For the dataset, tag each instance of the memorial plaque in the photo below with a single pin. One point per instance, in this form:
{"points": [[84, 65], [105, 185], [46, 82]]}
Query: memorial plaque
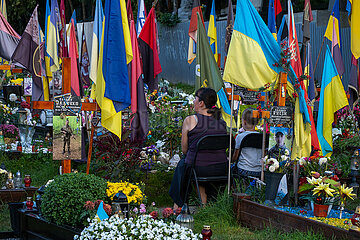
{"points": [[68, 105], [247, 96], [27, 86], [281, 115]]}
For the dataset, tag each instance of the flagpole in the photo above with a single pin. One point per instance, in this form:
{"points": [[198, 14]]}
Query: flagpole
{"points": [[230, 140], [263, 141], [322, 43]]}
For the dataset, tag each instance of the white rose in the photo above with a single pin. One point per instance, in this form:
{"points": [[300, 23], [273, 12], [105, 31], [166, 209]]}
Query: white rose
{"points": [[287, 153], [302, 161], [272, 160], [272, 168], [13, 97], [322, 161], [276, 165]]}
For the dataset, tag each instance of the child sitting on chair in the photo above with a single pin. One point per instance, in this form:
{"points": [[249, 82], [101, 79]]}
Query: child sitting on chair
{"points": [[249, 161]]}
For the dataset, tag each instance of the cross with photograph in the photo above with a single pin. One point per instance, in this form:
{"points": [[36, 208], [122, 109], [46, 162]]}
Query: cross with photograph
{"points": [[280, 141], [67, 128]]}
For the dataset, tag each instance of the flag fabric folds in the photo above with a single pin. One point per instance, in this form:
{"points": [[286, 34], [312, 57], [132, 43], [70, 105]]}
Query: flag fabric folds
{"points": [[229, 26], [336, 54], [101, 214], [309, 71], [334, 17], [74, 55], [118, 53], [353, 81], [63, 38], [84, 63], [271, 19], [332, 98], [113, 57], [208, 74], [253, 50], [96, 38], [281, 26], [295, 59], [27, 53], [307, 19], [53, 37], [149, 51], [139, 123], [193, 30], [8, 39], [141, 16], [3, 8], [353, 8], [212, 31]]}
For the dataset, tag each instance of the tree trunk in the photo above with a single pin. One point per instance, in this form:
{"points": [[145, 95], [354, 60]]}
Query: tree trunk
{"points": [[83, 10], [71, 7]]}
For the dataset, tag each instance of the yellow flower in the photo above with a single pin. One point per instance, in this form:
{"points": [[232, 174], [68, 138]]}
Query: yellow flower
{"points": [[323, 188], [346, 192], [314, 181], [132, 191]]}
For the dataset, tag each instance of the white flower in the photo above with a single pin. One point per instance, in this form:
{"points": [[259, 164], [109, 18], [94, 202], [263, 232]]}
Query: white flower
{"points": [[322, 161], [13, 97], [284, 157], [302, 161], [272, 168], [287, 152], [271, 160], [276, 165], [190, 98], [50, 181], [143, 154]]}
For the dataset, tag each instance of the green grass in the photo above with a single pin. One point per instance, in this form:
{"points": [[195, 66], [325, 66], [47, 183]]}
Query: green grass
{"points": [[219, 215], [4, 218]]}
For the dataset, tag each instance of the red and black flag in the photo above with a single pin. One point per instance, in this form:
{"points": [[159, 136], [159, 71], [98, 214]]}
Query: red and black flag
{"points": [[27, 53], [9, 39], [149, 51], [84, 63], [281, 26], [193, 30], [139, 123]]}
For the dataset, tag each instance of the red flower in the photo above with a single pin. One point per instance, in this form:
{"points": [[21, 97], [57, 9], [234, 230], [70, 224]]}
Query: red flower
{"points": [[89, 205], [167, 212], [107, 209], [335, 178], [154, 214], [283, 60], [295, 95]]}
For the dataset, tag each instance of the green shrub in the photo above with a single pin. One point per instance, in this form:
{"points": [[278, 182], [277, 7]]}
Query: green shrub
{"points": [[64, 198]]}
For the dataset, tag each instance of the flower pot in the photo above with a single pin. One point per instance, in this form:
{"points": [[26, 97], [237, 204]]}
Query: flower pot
{"points": [[272, 181], [320, 210]]}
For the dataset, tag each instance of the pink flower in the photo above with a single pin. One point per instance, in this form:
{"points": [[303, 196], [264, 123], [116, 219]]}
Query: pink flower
{"points": [[107, 209], [167, 212], [89, 205], [135, 210]]}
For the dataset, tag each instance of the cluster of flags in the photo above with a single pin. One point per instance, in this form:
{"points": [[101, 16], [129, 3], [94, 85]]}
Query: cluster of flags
{"points": [[253, 52], [124, 55]]}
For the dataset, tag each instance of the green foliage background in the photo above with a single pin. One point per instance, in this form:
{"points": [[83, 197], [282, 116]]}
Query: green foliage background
{"points": [[58, 123]]}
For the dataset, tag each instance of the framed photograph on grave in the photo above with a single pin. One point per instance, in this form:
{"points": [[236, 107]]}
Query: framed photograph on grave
{"points": [[27, 86], [67, 128], [279, 141]]}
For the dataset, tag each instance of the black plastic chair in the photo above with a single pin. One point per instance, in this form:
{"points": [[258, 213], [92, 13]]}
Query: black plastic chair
{"points": [[252, 140], [208, 142]]}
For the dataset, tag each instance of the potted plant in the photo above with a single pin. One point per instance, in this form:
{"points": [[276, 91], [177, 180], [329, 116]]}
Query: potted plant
{"points": [[10, 132]]}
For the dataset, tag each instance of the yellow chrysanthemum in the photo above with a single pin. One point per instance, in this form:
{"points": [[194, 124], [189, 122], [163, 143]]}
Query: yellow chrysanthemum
{"points": [[132, 191], [346, 192], [323, 188]]}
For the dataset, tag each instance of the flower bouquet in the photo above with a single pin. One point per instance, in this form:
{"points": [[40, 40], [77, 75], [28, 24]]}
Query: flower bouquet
{"points": [[134, 192], [10, 132], [314, 164], [3, 177], [278, 165], [142, 227]]}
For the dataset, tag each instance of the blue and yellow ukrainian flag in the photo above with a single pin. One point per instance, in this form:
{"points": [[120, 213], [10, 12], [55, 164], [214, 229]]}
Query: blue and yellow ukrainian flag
{"points": [[52, 37], [271, 19], [334, 19], [212, 31], [3, 8], [101, 214], [353, 8], [95, 48], [112, 83], [332, 98], [253, 50]]}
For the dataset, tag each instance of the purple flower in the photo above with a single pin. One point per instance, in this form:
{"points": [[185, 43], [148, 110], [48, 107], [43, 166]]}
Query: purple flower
{"points": [[135, 210], [142, 210], [153, 203]]}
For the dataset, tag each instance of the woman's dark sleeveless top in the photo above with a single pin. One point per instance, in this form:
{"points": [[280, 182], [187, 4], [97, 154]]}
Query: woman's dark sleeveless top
{"points": [[206, 125]]}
